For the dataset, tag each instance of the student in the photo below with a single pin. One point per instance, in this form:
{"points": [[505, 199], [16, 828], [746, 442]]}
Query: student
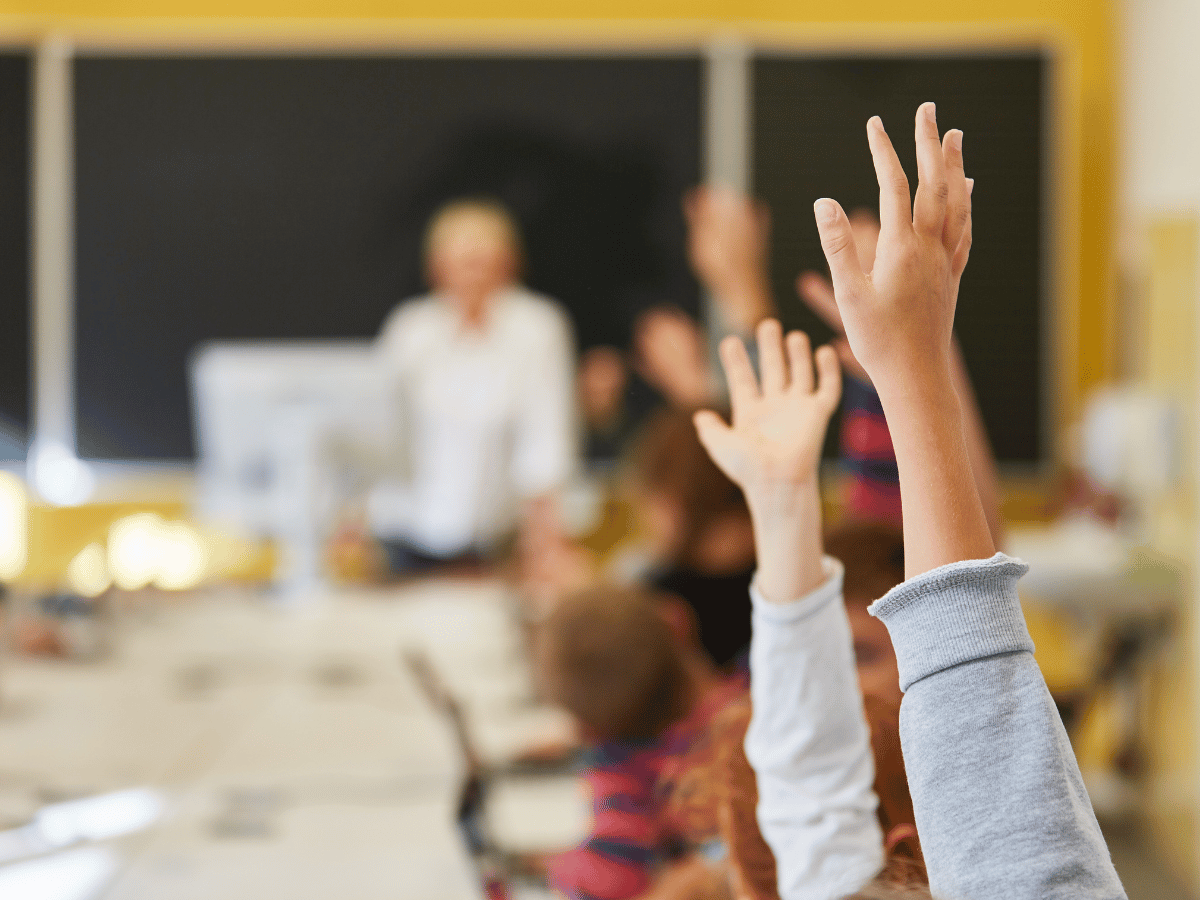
{"points": [[808, 739], [626, 664], [999, 801], [485, 372]]}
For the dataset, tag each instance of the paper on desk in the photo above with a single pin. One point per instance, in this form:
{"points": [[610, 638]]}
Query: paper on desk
{"points": [[538, 814]]}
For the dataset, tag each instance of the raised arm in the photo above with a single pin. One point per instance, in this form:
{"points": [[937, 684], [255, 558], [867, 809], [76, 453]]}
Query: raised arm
{"points": [[865, 443], [1000, 805], [728, 245], [899, 321], [808, 740]]}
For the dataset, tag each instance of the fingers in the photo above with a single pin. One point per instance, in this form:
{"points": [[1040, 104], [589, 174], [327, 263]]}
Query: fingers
{"points": [[829, 378], [963, 250], [743, 386], [929, 209], [771, 364], [800, 357], [837, 240], [816, 291], [718, 439], [895, 205], [958, 199]]}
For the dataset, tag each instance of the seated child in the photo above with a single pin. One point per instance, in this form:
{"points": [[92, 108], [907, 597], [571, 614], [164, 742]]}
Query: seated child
{"points": [[699, 531], [996, 790], [626, 664]]}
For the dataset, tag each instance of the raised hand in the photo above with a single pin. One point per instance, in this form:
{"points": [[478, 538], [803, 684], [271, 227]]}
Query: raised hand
{"points": [[817, 291], [671, 355], [899, 320], [773, 449], [779, 424], [899, 317], [728, 241]]}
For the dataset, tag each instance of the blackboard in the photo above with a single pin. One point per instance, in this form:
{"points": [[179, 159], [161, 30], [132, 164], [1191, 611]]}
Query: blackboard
{"points": [[283, 197], [14, 254], [273, 197], [809, 137]]}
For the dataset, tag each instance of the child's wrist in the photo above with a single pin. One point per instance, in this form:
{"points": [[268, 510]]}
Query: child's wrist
{"points": [[917, 389], [781, 498]]}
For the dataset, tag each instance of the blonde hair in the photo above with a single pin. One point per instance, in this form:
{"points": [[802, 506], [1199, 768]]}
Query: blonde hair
{"points": [[495, 212]]}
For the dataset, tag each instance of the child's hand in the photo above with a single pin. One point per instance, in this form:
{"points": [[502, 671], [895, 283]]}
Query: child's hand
{"points": [[778, 427], [899, 317], [817, 291], [671, 355], [773, 450]]}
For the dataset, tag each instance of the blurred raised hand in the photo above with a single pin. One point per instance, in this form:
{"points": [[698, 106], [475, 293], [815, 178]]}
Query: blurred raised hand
{"points": [[728, 246], [671, 354]]}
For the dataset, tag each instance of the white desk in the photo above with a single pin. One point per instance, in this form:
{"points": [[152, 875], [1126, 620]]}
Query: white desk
{"points": [[299, 756]]}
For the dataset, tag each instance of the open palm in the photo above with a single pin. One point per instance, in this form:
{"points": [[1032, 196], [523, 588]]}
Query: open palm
{"points": [[779, 423]]}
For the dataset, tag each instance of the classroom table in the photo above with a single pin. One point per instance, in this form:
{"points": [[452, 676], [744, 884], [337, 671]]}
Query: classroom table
{"points": [[297, 755]]}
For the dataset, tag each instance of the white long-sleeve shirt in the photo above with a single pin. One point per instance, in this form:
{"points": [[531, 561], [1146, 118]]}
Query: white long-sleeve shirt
{"points": [[810, 746], [488, 414]]}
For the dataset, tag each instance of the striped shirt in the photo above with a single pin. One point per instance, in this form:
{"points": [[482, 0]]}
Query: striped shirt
{"points": [[631, 837], [873, 491]]}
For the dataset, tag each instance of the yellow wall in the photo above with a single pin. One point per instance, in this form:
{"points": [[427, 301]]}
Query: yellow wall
{"points": [[1082, 31]]}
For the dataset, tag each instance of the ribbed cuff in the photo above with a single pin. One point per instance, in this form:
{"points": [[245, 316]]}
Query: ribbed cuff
{"points": [[955, 614], [805, 606]]}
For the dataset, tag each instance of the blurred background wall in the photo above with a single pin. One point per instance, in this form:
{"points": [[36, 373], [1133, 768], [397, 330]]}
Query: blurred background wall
{"points": [[1157, 235]]}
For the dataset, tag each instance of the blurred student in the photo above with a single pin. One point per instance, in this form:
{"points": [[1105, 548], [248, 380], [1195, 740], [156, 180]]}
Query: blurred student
{"points": [[699, 533], [485, 372], [997, 793], [625, 663]]}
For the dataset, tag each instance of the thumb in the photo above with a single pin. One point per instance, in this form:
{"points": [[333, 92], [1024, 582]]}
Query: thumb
{"points": [[837, 240], [718, 439]]}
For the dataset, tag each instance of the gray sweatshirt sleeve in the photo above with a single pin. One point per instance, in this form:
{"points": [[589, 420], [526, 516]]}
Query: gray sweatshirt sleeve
{"points": [[1000, 805]]}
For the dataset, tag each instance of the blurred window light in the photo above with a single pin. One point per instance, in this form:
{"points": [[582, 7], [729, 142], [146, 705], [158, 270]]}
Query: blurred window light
{"points": [[133, 545], [14, 526], [77, 875], [182, 559], [87, 573], [59, 477], [146, 549]]}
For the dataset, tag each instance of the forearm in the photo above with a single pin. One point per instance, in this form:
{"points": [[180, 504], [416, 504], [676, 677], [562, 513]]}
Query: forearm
{"points": [[745, 302], [944, 520], [787, 539]]}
